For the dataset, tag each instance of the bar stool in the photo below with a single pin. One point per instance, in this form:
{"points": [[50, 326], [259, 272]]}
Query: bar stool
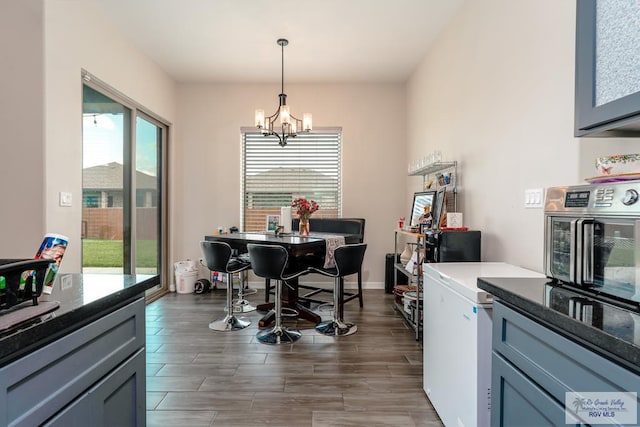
{"points": [[218, 258], [348, 260], [242, 305], [269, 262]]}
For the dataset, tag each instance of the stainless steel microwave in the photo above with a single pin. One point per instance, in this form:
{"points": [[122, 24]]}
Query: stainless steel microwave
{"points": [[592, 238]]}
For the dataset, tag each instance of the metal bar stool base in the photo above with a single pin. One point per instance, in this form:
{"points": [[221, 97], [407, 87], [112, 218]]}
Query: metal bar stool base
{"points": [[228, 323], [336, 329], [278, 335]]}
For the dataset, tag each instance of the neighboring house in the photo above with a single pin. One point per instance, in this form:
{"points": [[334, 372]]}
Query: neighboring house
{"points": [[102, 203], [265, 189], [265, 193], [102, 187]]}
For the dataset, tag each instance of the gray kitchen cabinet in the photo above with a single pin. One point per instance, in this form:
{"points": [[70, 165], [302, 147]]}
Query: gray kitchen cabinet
{"points": [[607, 85], [520, 401], [111, 402], [94, 375], [533, 367]]}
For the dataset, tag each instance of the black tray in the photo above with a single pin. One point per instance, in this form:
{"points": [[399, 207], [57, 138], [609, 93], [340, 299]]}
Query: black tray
{"points": [[11, 270]]}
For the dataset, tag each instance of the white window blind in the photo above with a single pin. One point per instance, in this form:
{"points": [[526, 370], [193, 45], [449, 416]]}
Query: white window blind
{"points": [[272, 176]]}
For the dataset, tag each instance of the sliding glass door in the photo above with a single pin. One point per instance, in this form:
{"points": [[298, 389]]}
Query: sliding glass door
{"points": [[106, 127], [147, 232], [123, 210]]}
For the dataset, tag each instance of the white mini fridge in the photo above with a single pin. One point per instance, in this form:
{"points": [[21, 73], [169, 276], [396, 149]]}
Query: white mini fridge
{"points": [[457, 339]]}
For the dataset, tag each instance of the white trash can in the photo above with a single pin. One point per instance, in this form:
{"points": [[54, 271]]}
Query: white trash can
{"points": [[186, 273]]}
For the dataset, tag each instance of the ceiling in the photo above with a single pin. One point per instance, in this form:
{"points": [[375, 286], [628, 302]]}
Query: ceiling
{"points": [[330, 41]]}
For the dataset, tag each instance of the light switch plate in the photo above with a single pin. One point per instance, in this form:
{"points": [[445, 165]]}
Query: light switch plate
{"points": [[66, 198], [534, 198]]}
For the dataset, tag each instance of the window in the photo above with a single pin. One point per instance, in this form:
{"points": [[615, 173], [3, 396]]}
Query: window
{"points": [[91, 200], [272, 176]]}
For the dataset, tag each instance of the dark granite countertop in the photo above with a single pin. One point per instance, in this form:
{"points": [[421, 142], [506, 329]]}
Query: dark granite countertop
{"points": [[83, 298], [611, 330]]}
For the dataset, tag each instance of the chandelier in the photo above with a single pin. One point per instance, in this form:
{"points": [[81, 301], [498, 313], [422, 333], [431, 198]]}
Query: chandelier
{"points": [[289, 125]]}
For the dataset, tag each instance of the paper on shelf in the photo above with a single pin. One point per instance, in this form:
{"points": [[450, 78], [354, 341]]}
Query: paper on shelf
{"points": [[285, 219], [412, 263]]}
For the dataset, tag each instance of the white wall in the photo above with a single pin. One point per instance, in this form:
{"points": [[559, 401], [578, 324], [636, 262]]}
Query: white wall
{"points": [[496, 93], [22, 128], [77, 37], [208, 182]]}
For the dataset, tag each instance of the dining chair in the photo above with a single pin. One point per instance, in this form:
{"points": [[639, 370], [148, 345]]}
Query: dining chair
{"points": [[270, 262], [218, 257], [348, 260], [352, 226]]}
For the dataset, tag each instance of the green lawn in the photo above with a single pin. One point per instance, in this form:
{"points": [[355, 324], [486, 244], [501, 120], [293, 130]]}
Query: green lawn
{"points": [[108, 253]]}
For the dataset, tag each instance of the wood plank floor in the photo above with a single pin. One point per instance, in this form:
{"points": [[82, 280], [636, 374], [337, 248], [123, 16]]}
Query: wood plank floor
{"points": [[200, 377]]}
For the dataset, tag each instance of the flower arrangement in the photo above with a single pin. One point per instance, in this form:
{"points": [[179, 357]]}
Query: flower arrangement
{"points": [[304, 208]]}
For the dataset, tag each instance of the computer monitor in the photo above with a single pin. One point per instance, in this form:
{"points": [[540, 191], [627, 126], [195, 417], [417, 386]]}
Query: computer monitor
{"points": [[420, 200]]}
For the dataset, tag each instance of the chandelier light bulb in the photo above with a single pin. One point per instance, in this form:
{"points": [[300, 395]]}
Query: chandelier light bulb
{"points": [[307, 122], [260, 119], [285, 117]]}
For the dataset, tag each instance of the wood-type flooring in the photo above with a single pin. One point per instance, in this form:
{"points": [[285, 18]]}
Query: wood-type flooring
{"points": [[200, 377]]}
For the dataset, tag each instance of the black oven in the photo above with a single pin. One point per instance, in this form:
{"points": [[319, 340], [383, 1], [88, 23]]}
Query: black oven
{"points": [[592, 238]]}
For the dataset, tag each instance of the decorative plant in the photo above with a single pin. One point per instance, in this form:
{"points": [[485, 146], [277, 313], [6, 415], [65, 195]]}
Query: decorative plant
{"points": [[304, 208]]}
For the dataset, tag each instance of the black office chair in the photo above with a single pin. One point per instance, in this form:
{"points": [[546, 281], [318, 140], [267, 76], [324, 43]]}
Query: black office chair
{"points": [[348, 261], [218, 257], [270, 262]]}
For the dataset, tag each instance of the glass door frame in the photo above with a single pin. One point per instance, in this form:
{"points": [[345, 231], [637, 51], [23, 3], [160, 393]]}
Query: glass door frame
{"points": [[137, 110]]}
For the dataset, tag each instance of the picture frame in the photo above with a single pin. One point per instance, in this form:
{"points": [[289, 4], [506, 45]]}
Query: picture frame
{"points": [[273, 221], [439, 210]]}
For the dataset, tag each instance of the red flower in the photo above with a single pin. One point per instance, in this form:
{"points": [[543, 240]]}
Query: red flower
{"points": [[304, 208]]}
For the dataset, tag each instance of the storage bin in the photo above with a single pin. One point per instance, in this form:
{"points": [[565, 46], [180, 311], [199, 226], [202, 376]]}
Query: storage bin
{"points": [[186, 273]]}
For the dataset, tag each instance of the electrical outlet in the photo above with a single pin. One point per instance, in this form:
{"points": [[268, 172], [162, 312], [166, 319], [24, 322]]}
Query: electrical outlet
{"points": [[534, 198], [65, 281]]}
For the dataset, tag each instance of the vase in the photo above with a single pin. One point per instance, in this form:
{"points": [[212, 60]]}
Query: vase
{"points": [[304, 227], [405, 256]]}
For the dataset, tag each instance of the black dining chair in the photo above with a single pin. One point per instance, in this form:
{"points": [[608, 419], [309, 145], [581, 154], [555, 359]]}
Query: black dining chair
{"points": [[218, 257], [348, 260], [270, 262], [352, 226]]}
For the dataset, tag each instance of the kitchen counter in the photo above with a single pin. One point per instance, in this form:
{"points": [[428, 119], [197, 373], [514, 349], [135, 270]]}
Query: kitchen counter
{"points": [[611, 331], [83, 299]]}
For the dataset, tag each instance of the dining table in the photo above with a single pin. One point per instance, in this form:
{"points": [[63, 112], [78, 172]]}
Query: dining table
{"points": [[314, 250]]}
